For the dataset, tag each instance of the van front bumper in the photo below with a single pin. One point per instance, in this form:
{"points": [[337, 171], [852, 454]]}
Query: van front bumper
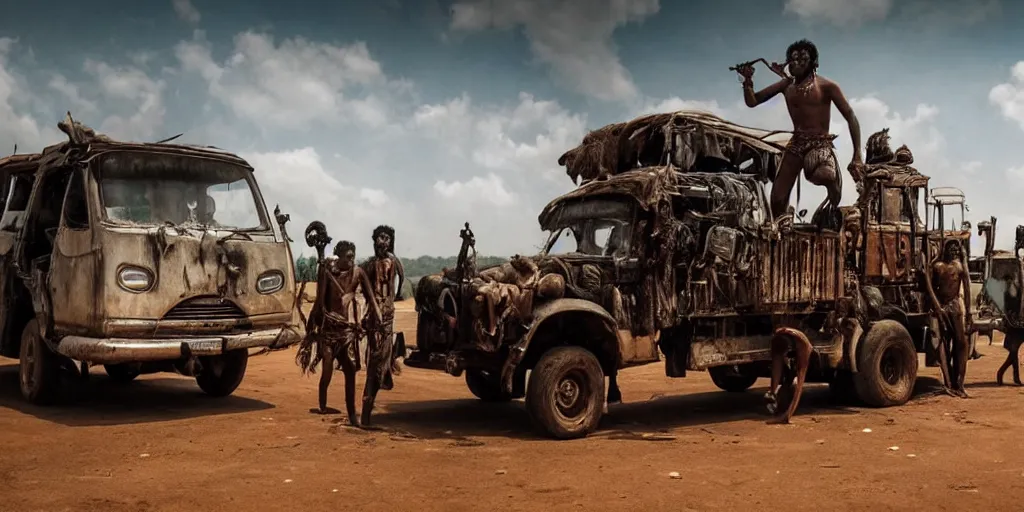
{"points": [[130, 350]]}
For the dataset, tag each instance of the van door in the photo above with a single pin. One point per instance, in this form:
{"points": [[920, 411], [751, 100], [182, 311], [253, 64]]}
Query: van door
{"points": [[73, 267], [12, 219]]}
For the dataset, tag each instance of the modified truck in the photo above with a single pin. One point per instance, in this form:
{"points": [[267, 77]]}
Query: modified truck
{"points": [[139, 257], [683, 262]]}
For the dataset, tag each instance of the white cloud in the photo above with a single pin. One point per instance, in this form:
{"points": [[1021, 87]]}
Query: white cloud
{"points": [[374, 197], [132, 87], [1015, 175], [17, 126], [489, 190], [293, 83], [70, 91], [572, 37], [186, 11], [527, 138], [841, 13], [299, 182], [1009, 96]]}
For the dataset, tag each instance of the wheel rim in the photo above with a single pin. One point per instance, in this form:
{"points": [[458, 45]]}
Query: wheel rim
{"points": [[571, 395], [891, 366], [28, 366]]}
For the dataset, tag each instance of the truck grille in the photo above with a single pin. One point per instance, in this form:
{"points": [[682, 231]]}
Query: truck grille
{"points": [[205, 308]]}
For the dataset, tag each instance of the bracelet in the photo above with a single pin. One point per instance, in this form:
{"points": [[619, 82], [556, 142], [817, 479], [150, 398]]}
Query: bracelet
{"points": [[748, 84]]}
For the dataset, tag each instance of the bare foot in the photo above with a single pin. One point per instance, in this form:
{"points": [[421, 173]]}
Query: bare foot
{"points": [[778, 420], [353, 420], [324, 410], [962, 393]]}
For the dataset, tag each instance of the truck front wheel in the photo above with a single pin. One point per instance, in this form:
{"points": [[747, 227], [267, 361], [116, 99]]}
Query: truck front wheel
{"points": [[486, 386], [38, 367], [732, 378], [221, 375], [886, 365], [565, 397]]}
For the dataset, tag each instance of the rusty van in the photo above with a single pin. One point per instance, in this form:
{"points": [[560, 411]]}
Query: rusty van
{"points": [[140, 257]]}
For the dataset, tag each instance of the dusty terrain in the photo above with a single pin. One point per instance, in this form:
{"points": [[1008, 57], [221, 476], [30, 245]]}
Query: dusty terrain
{"points": [[160, 444]]}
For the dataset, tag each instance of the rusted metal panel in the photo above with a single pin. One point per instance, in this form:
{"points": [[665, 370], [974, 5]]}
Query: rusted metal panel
{"points": [[800, 268]]}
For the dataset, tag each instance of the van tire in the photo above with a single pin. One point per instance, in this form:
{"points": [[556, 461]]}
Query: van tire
{"points": [[486, 386], [886, 365], [220, 375], [565, 397], [38, 367], [123, 372]]}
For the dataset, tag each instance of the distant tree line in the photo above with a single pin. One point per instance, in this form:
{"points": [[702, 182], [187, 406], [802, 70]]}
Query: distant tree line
{"points": [[415, 268]]}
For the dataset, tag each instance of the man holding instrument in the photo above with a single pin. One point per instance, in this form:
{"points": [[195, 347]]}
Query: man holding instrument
{"points": [[809, 98]]}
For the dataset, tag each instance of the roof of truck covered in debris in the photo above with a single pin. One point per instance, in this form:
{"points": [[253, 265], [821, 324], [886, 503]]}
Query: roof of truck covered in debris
{"points": [[773, 141]]}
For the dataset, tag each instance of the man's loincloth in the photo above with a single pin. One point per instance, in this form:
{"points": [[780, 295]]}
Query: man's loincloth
{"points": [[336, 334], [816, 151]]}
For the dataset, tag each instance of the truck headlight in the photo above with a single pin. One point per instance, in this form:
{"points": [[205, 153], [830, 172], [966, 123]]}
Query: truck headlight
{"points": [[270, 282], [134, 279]]}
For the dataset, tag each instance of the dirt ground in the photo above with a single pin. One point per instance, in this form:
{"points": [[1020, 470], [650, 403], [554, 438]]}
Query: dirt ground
{"points": [[160, 444]]}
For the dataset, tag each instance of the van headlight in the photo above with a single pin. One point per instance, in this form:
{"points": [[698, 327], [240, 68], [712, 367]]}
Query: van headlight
{"points": [[270, 282], [134, 279]]}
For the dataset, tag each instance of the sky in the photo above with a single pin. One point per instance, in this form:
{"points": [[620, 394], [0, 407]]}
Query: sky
{"points": [[426, 114]]}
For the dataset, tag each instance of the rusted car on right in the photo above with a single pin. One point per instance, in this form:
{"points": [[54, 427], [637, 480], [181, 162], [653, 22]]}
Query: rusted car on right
{"points": [[682, 261]]}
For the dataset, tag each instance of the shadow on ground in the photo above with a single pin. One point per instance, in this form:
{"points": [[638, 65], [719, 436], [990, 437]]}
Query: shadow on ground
{"points": [[461, 419], [101, 401]]}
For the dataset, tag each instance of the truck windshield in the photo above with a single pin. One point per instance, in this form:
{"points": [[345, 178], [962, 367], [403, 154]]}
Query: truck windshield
{"points": [[593, 227], [160, 190]]}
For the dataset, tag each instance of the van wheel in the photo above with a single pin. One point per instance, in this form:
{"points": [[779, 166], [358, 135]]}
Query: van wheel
{"points": [[221, 375], [565, 397], [486, 386], [38, 367], [124, 372], [886, 365], [732, 378]]}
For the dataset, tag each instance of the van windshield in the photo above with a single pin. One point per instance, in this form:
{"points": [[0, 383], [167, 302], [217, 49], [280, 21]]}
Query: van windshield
{"points": [[143, 189]]}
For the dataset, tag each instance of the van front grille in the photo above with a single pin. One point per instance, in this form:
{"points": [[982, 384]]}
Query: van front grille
{"points": [[205, 308]]}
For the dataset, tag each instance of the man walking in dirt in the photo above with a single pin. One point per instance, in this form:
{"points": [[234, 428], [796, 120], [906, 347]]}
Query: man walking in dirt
{"points": [[945, 280], [382, 269], [809, 98], [333, 327]]}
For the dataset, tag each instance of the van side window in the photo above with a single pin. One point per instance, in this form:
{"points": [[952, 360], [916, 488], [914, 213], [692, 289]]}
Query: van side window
{"points": [[17, 201], [76, 208]]}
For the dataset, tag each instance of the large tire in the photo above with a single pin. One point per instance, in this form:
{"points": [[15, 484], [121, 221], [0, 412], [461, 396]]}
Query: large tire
{"points": [[220, 375], [122, 373], [565, 398], [886, 365], [38, 367], [486, 386], [733, 379]]}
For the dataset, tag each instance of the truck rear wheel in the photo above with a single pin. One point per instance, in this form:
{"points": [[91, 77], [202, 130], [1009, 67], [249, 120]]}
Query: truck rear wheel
{"points": [[732, 378], [886, 365], [486, 386], [123, 372], [38, 367], [565, 397], [220, 375]]}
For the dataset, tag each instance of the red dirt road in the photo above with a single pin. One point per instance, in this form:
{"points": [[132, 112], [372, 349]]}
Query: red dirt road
{"points": [[160, 444]]}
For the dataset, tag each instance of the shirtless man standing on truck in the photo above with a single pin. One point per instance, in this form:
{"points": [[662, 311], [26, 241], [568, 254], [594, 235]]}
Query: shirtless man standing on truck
{"points": [[809, 98]]}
